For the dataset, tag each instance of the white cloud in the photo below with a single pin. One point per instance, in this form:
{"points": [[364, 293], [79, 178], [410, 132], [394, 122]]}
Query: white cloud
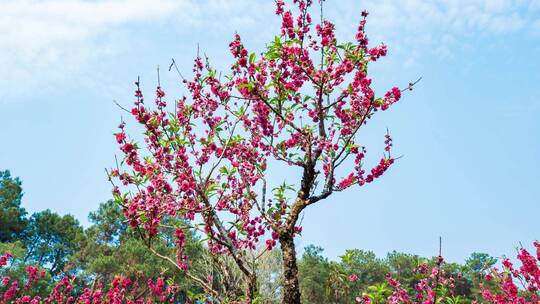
{"points": [[31, 26], [50, 39], [440, 27], [60, 36], [458, 16]]}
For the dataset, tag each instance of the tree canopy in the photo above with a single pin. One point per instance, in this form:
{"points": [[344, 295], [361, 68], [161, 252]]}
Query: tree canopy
{"points": [[12, 215]]}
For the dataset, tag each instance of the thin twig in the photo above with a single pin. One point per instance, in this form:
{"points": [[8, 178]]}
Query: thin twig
{"points": [[187, 273], [176, 68], [118, 105], [439, 262], [411, 85], [158, 79]]}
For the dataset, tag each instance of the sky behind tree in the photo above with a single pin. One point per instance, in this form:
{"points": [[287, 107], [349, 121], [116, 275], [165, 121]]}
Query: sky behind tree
{"points": [[468, 133]]}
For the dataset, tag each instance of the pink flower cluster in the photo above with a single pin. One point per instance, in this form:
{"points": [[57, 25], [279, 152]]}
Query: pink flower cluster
{"points": [[121, 291], [510, 286], [434, 283], [515, 285]]}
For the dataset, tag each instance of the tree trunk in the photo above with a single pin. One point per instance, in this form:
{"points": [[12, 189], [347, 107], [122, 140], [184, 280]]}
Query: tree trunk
{"points": [[251, 291], [291, 288]]}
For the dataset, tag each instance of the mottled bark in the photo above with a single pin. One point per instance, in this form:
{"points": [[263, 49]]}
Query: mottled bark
{"points": [[251, 291], [291, 286]]}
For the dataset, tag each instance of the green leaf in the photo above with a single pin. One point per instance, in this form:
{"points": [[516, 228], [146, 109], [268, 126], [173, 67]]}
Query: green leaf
{"points": [[143, 217], [224, 170]]}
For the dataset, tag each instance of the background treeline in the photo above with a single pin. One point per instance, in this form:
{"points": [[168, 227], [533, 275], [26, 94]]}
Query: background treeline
{"points": [[60, 246]]}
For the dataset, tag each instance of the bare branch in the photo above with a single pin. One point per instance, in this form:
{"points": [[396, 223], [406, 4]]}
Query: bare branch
{"points": [[118, 105]]}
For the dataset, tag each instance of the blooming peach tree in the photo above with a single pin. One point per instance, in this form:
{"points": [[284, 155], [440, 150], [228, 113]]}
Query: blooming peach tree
{"points": [[206, 159]]}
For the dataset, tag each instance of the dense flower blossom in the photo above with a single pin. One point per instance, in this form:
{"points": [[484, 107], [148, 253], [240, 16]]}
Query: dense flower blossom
{"points": [[121, 291], [300, 103], [515, 285], [231, 138]]}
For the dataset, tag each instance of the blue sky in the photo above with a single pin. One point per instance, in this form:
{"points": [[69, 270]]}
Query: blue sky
{"points": [[469, 131]]}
